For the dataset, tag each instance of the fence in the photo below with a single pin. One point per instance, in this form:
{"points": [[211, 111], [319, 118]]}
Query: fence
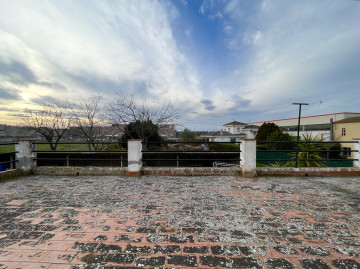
{"points": [[314, 153], [7, 156], [135, 154], [191, 154], [81, 154]]}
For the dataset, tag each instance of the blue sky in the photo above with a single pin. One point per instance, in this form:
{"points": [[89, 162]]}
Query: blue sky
{"points": [[217, 60]]}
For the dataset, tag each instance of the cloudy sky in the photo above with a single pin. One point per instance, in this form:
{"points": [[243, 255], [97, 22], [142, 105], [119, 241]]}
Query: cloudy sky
{"points": [[217, 60]]}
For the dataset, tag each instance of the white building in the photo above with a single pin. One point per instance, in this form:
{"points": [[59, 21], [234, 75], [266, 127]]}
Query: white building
{"points": [[318, 125], [234, 132]]}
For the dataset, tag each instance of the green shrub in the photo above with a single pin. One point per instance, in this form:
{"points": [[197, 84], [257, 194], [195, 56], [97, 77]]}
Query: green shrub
{"points": [[114, 147]]}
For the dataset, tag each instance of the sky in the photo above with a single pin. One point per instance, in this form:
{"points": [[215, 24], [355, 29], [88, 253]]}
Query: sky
{"points": [[218, 61]]}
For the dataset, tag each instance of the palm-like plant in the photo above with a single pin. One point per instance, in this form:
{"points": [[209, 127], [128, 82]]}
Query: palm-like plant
{"points": [[312, 158]]}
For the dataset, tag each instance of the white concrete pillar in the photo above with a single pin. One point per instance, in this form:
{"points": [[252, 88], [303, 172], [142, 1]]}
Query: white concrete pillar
{"points": [[248, 157], [134, 157], [357, 154], [25, 154]]}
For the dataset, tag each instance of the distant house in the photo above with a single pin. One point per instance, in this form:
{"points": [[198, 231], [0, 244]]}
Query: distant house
{"points": [[167, 131], [9, 133], [347, 130], [317, 125], [234, 132], [245, 131]]}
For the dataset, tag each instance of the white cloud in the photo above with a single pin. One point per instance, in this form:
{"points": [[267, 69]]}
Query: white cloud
{"points": [[228, 28], [207, 5], [234, 9], [297, 50], [251, 38], [277, 52], [81, 46]]}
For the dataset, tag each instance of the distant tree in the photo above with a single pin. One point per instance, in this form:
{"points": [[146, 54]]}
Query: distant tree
{"points": [[51, 121], [279, 135], [265, 130], [147, 131], [188, 135], [126, 109], [88, 122], [334, 152]]}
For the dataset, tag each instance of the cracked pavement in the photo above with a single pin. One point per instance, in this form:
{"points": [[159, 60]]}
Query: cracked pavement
{"points": [[179, 222]]}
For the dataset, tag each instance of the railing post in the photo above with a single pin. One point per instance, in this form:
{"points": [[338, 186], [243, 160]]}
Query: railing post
{"points": [[134, 157], [248, 157], [25, 154], [357, 154], [12, 161]]}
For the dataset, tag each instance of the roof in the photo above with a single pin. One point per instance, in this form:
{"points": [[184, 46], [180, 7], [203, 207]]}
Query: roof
{"points": [[235, 123], [220, 133], [250, 126], [314, 116], [349, 120]]}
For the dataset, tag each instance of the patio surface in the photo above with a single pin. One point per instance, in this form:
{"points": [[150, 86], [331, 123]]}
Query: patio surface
{"points": [[179, 222]]}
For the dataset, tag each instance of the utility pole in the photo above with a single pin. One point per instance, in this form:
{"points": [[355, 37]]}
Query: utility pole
{"points": [[298, 131]]}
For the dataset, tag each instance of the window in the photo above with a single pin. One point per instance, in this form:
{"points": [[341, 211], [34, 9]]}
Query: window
{"points": [[229, 129], [343, 131], [347, 151], [238, 129]]}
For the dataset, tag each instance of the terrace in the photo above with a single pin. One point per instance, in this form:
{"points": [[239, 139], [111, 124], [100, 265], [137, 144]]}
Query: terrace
{"points": [[82, 218], [179, 222]]}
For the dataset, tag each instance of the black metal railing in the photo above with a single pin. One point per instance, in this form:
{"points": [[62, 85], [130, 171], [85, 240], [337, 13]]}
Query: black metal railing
{"points": [[191, 154], [7, 156], [325, 155], [113, 154]]}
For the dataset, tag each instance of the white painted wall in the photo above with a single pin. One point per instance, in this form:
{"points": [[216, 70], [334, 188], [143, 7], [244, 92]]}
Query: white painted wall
{"points": [[248, 156], [134, 155], [310, 120], [25, 154]]}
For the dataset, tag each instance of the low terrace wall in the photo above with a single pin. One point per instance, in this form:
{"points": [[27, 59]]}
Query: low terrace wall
{"points": [[194, 171], [185, 171], [309, 171], [8, 174], [79, 171]]}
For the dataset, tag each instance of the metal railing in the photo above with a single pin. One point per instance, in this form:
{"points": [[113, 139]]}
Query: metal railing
{"points": [[293, 155], [82, 154], [190, 154], [7, 156]]}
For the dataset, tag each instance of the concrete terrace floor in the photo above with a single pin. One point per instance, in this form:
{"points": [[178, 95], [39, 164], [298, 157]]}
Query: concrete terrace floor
{"points": [[179, 222]]}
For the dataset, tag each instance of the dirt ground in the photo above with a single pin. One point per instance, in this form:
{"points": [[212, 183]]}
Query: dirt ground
{"points": [[179, 222]]}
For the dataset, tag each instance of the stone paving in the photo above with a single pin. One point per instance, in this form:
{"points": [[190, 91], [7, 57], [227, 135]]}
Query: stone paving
{"points": [[179, 222]]}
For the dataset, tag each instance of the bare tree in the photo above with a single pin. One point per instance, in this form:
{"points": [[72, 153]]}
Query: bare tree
{"points": [[88, 121], [125, 109], [52, 121]]}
